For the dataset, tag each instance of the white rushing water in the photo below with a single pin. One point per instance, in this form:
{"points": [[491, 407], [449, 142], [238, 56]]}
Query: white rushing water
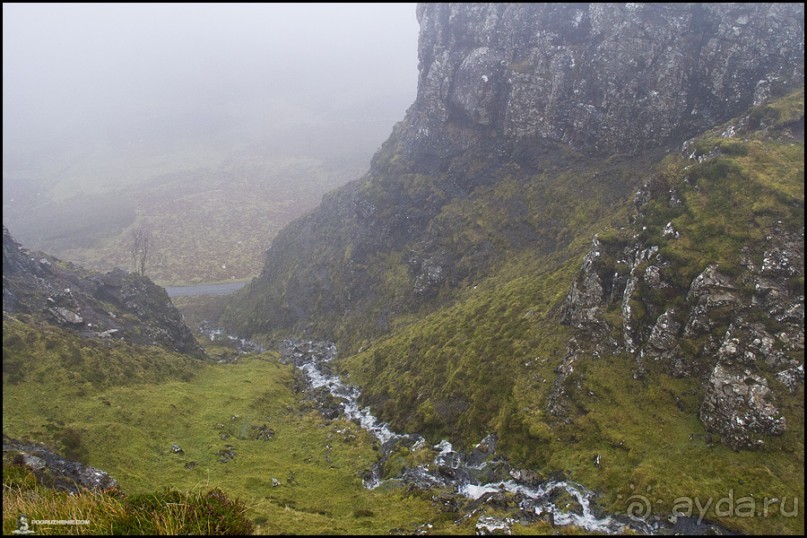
{"points": [[313, 358], [540, 504]]}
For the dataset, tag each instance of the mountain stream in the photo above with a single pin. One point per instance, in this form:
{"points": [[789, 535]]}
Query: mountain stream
{"points": [[480, 474]]}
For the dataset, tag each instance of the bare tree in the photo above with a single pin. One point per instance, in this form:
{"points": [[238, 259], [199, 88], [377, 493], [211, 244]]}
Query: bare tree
{"points": [[141, 241]]}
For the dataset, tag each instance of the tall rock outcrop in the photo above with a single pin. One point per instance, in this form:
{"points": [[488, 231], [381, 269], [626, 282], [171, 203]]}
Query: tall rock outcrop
{"points": [[610, 78]]}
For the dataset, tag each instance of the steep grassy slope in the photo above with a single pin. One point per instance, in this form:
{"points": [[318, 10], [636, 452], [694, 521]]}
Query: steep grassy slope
{"points": [[407, 242], [488, 362]]}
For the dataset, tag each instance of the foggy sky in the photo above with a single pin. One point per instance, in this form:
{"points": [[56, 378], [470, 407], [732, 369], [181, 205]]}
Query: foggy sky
{"points": [[82, 71]]}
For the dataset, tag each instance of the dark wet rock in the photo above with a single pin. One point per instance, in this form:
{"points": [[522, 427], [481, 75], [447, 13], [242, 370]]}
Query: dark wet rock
{"points": [[429, 275], [299, 352], [112, 305], [585, 301], [497, 470], [714, 299], [633, 331], [226, 454], [712, 287], [63, 316], [746, 344], [421, 478], [483, 450], [558, 403], [737, 407], [527, 477], [33, 462], [220, 337], [792, 377], [318, 398], [782, 262], [449, 464], [663, 341], [262, 433], [54, 471]]}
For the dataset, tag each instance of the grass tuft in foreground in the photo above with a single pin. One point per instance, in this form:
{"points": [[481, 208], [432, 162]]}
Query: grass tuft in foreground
{"points": [[55, 512]]}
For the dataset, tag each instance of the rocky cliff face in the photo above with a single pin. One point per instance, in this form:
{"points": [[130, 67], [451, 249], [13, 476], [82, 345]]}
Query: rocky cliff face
{"points": [[112, 305], [610, 78], [736, 326], [730, 332]]}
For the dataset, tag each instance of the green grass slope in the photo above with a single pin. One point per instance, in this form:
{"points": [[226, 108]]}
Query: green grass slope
{"points": [[486, 363], [239, 427]]}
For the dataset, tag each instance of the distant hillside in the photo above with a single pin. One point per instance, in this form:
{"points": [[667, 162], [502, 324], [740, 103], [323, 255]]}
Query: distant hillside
{"points": [[213, 193]]}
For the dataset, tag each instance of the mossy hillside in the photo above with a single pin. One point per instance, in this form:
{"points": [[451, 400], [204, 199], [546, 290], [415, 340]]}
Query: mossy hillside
{"points": [[651, 443], [350, 281], [458, 371], [128, 430], [734, 207], [486, 363], [450, 373], [44, 353], [446, 377], [465, 380]]}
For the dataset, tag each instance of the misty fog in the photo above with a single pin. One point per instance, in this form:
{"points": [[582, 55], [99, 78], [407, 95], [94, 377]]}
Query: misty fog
{"points": [[123, 115]]}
